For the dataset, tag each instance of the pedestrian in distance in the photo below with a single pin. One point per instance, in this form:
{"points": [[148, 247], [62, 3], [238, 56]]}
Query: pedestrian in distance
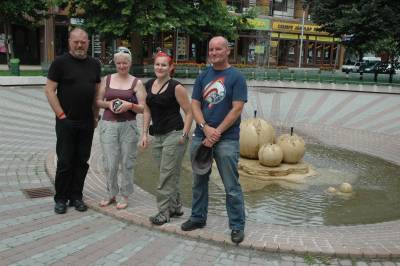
{"points": [[218, 98], [122, 96], [165, 98], [72, 84]]}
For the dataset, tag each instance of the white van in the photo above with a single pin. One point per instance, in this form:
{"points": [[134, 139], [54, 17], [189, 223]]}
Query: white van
{"points": [[371, 59]]}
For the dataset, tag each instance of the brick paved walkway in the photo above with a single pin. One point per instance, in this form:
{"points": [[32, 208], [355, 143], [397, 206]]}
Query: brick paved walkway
{"points": [[30, 234]]}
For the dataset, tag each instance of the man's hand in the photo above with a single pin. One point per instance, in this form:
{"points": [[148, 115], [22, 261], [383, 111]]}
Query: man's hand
{"points": [[212, 134], [206, 142]]}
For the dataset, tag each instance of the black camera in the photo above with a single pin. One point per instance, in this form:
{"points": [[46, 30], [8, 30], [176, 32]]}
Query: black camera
{"points": [[116, 105]]}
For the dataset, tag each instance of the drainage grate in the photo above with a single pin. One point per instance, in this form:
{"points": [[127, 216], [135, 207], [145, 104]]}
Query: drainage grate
{"points": [[40, 192]]}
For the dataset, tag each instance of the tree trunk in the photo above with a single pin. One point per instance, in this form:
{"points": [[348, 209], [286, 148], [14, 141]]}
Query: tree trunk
{"points": [[137, 48], [360, 55]]}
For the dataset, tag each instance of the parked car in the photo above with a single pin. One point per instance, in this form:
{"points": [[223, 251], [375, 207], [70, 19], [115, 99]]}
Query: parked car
{"points": [[380, 68], [353, 67], [368, 67], [396, 67]]}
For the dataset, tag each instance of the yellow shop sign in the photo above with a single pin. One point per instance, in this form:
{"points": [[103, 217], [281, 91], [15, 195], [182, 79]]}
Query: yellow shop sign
{"points": [[296, 27], [259, 24]]}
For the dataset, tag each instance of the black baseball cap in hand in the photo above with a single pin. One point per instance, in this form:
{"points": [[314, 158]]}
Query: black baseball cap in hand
{"points": [[202, 160]]}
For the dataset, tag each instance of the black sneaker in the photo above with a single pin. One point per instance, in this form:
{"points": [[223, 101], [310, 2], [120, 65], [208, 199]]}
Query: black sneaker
{"points": [[71, 203], [237, 236], [189, 225], [60, 207], [159, 219], [79, 205]]}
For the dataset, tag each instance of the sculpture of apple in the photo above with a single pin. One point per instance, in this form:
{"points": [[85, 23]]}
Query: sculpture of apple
{"points": [[345, 188], [293, 147], [270, 155], [254, 132]]}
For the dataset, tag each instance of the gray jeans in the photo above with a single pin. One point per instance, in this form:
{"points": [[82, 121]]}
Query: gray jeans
{"points": [[168, 153], [119, 143]]}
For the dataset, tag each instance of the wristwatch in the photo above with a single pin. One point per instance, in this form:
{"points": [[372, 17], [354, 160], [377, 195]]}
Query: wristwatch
{"points": [[202, 125]]}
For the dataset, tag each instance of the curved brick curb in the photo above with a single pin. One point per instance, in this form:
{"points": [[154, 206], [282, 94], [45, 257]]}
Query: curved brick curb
{"points": [[368, 241]]}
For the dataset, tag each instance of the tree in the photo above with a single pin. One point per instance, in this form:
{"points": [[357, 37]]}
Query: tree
{"points": [[28, 13], [364, 21], [127, 18], [388, 46]]}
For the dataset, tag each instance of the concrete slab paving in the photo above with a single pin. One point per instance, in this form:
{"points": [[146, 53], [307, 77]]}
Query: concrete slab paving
{"points": [[104, 236]]}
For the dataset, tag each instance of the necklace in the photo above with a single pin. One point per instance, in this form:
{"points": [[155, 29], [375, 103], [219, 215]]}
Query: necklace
{"points": [[158, 86]]}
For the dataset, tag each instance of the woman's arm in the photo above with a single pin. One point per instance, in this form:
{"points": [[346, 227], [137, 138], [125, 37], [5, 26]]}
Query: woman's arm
{"points": [[183, 100], [141, 97], [144, 140]]}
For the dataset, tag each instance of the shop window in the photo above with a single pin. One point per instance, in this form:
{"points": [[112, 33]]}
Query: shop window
{"points": [[237, 6], [318, 53], [168, 44], [327, 54], [280, 5], [310, 53], [181, 47]]}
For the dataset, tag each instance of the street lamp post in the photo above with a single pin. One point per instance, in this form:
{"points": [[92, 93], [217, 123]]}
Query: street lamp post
{"points": [[176, 46], [302, 34]]}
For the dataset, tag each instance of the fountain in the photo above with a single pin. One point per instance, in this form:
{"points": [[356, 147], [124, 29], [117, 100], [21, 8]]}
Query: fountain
{"points": [[348, 141]]}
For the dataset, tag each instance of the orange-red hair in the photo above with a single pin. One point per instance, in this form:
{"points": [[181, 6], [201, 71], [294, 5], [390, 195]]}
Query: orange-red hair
{"points": [[170, 61]]}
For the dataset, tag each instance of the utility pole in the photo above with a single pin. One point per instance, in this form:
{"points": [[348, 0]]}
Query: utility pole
{"points": [[304, 6]]}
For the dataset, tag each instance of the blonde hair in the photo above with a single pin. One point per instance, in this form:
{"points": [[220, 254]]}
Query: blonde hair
{"points": [[122, 55]]}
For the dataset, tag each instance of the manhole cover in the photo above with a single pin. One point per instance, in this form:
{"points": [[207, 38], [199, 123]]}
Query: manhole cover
{"points": [[40, 192]]}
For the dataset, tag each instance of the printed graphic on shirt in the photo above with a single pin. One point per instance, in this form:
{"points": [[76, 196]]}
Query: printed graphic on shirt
{"points": [[214, 91]]}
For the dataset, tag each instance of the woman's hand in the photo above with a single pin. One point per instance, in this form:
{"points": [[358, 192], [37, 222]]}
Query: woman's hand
{"points": [[124, 107], [144, 141], [183, 138], [111, 106]]}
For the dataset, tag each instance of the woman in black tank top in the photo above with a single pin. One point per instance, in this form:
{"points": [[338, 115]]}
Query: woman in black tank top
{"points": [[165, 97]]}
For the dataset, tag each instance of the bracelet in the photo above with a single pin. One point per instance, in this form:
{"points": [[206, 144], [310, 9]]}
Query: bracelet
{"points": [[202, 125], [132, 106], [60, 115]]}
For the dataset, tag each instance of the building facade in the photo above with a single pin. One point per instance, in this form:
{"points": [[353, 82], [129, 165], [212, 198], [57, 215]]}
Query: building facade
{"points": [[281, 36]]}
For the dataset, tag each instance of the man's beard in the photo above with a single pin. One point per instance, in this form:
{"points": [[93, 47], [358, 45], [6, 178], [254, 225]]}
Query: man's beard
{"points": [[81, 54]]}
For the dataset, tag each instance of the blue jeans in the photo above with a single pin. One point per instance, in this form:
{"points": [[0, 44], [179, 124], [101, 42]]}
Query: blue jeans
{"points": [[226, 155]]}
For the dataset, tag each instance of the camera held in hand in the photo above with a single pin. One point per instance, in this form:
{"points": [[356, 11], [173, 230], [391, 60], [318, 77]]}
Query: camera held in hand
{"points": [[117, 105]]}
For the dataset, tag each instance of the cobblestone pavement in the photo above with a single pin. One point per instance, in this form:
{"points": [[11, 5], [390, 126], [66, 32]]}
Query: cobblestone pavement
{"points": [[31, 234]]}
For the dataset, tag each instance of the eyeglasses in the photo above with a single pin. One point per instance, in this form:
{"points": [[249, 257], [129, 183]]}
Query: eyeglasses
{"points": [[125, 50]]}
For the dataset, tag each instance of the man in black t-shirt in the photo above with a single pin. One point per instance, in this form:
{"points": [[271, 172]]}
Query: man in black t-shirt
{"points": [[71, 88]]}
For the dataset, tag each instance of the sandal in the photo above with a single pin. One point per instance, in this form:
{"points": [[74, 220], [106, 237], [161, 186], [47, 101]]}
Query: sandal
{"points": [[122, 204], [107, 202]]}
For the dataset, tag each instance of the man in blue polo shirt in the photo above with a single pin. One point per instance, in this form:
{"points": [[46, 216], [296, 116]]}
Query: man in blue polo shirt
{"points": [[219, 95]]}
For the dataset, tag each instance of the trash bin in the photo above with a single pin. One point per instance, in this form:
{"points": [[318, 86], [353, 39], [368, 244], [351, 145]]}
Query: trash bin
{"points": [[14, 67], [45, 69]]}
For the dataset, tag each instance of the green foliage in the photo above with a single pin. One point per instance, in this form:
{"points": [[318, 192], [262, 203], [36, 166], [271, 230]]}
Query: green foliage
{"points": [[316, 260], [23, 12], [365, 20], [119, 18], [389, 46]]}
